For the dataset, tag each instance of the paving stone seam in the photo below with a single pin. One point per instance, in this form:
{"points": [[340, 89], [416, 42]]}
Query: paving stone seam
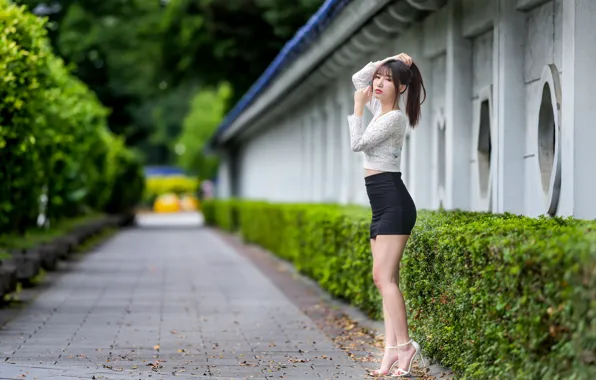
{"points": [[126, 315], [89, 312], [199, 327], [38, 327]]}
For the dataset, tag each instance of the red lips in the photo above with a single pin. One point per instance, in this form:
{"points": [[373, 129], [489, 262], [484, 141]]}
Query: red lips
{"points": [[378, 91]]}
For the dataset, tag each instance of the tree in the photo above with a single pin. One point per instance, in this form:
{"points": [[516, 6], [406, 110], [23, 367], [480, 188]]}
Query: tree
{"points": [[143, 57], [231, 40], [206, 112], [114, 46]]}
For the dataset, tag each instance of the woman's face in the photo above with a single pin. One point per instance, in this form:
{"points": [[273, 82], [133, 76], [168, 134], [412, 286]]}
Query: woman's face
{"points": [[383, 86]]}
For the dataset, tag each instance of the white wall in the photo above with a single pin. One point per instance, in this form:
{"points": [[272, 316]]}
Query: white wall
{"points": [[543, 47], [501, 54], [271, 165], [223, 184], [434, 50]]}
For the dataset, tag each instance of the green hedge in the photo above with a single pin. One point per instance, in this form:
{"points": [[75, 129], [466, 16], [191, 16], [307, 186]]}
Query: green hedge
{"points": [[490, 296], [57, 155]]}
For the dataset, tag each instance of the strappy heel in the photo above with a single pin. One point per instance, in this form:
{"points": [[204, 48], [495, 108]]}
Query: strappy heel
{"points": [[377, 372], [401, 372]]}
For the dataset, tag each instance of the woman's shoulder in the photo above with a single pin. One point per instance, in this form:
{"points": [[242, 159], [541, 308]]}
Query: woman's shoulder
{"points": [[392, 116], [396, 120]]}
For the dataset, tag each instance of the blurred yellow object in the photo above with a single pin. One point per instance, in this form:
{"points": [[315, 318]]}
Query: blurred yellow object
{"points": [[174, 184], [189, 203], [167, 203]]}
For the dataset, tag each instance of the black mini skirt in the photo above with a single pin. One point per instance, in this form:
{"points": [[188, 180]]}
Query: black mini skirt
{"points": [[393, 209]]}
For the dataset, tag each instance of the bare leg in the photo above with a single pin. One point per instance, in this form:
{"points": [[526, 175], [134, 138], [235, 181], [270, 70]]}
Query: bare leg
{"points": [[390, 355], [390, 338], [386, 259]]}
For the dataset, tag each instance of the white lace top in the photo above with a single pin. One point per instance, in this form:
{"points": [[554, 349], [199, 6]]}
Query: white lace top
{"points": [[382, 140]]}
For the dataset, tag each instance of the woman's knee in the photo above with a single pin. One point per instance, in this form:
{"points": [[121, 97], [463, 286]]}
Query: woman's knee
{"points": [[382, 278]]}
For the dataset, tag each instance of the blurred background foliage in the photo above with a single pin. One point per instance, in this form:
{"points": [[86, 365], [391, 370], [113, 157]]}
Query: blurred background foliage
{"points": [[58, 157], [169, 70]]}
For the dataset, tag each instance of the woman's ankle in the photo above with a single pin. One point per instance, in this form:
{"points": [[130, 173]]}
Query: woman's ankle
{"points": [[403, 341]]}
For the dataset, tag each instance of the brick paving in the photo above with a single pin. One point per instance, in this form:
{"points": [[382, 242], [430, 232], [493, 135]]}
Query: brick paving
{"points": [[163, 303]]}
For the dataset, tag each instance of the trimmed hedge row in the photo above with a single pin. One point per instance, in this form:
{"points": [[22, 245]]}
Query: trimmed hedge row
{"points": [[490, 296], [57, 155]]}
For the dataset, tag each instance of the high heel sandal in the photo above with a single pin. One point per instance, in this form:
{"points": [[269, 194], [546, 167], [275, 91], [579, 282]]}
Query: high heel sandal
{"points": [[401, 372], [377, 372]]}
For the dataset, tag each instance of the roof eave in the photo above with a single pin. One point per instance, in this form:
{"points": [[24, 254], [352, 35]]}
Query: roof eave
{"points": [[354, 32]]}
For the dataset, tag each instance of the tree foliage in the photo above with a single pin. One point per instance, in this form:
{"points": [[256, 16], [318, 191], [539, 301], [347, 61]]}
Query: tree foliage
{"points": [[54, 140], [206, 111], [233, 40], [146, 58]]}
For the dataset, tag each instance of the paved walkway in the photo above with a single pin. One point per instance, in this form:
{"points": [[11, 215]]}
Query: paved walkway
{"points": [[156, 303]]}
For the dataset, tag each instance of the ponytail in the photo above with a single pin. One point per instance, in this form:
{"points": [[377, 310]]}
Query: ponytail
{"points": [[413, 102]]}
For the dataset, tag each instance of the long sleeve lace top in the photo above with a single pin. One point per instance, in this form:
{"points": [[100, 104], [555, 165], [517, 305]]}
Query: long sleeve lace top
{"points": [[382, 140]]}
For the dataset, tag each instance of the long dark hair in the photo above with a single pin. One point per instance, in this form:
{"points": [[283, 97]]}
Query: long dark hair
{"points": [[412, 78]]}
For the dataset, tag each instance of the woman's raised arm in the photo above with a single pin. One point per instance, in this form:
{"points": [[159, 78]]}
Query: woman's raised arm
{"points": [[362, 79]]}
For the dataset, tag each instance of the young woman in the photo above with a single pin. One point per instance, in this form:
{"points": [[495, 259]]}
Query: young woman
{"points": [[379, 87]]}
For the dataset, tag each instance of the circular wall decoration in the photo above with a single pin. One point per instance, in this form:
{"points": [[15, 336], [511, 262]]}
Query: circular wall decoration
{"points": [[482, 150], [440, 159], [548, 138]]}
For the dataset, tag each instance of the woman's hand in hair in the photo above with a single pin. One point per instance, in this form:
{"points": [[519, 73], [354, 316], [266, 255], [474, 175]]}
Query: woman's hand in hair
{"points": [[361, 97], [400, 57], [404, 58]]}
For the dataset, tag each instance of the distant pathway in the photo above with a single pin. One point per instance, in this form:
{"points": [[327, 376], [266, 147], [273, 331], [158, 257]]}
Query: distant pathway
{"points": [[163, 303]]}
